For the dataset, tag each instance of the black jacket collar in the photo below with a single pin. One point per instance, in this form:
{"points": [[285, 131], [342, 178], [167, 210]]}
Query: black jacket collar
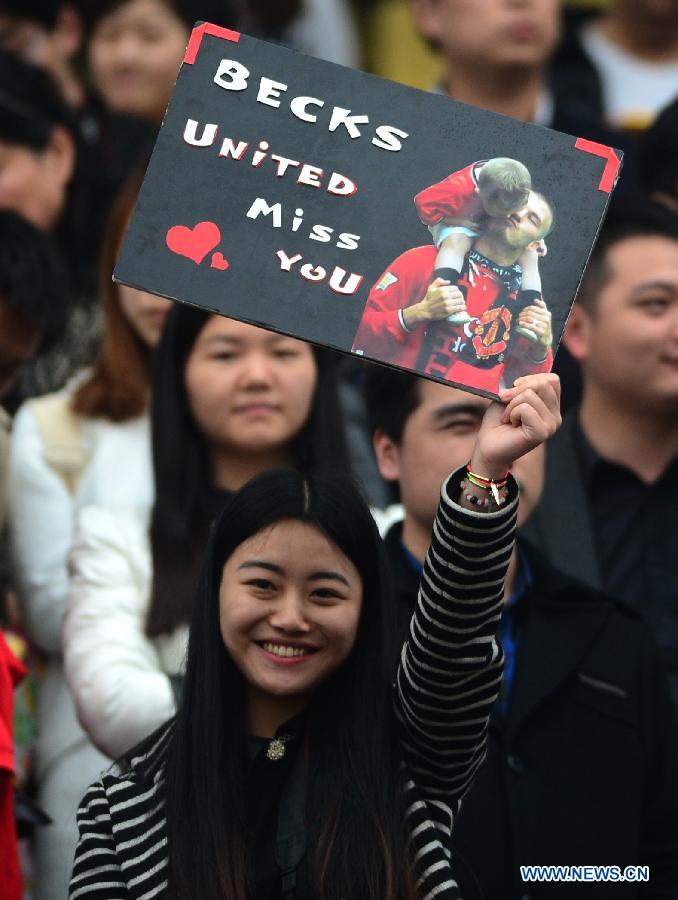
{"points": [[561, 526]]}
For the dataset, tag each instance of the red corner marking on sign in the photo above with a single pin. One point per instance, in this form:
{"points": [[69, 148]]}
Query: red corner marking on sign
{"points": [[197, 35], [611, 170]]}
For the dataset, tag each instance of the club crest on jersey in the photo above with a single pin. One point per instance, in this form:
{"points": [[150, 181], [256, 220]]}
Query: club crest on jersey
{"points": [[492, 332], [387, 280]]}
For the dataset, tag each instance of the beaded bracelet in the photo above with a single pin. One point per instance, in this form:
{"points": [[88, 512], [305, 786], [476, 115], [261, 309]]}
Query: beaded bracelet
{"points": [[489, 484], [475, 500]]}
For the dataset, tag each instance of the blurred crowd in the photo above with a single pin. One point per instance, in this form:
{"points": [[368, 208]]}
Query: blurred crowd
{"points": [[124, 426]]}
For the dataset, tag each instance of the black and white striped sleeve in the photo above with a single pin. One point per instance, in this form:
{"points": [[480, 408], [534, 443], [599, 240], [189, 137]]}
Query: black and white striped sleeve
{"points": [[96, 868], [451, 666]]}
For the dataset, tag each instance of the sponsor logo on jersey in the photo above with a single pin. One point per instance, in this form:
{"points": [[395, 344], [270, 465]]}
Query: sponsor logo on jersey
{"points": [[387, 280]]}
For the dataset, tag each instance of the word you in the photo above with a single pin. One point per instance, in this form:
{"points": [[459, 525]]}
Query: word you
{"points": [[233, 76], [317, 273]]}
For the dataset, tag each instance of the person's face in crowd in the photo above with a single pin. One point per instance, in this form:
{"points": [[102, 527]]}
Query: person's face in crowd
{"points": [[33, 182], [135, 53], [146, 313], [249, 390], [628, 341], [657, 14], [29, 39], [491, 33], [19, 342], [438, 437], [526, 225], [289, 608]]}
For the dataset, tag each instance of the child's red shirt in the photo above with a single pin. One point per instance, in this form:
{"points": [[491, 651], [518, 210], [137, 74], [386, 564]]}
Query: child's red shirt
{"points": [[455, 197]]}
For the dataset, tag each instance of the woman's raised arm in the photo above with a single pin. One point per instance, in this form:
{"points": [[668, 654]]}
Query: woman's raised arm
{"points": [[450, 671]]}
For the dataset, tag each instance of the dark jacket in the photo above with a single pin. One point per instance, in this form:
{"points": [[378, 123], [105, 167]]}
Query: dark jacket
{"points": [[583, 769], [561, 527]]}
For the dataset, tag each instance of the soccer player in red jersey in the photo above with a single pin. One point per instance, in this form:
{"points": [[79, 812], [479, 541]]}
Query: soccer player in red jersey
{"points": [[406, 317]]}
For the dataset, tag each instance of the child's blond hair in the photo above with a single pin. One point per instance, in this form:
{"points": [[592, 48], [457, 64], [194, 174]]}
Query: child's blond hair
{"points": [[506, 182]]}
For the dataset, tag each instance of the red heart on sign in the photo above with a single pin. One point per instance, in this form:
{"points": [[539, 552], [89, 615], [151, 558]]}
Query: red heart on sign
{"points": [[219, 261], [195, 243]]}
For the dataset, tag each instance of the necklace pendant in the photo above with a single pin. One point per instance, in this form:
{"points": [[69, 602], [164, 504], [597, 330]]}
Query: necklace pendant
{"points": [[276, 749]]}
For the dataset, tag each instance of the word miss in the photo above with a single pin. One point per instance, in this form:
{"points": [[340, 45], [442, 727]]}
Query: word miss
{"points": [[323, 233], [307, 174], [233, 76]]}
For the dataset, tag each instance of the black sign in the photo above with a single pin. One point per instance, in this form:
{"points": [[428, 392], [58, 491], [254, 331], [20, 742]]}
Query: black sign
{"points": [[353, 212]]}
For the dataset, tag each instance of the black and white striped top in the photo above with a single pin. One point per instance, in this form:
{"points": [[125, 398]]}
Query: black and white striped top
{"points": [[447, 681]]}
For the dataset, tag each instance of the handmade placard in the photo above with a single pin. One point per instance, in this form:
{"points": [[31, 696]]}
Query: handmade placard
{"points": [[353, 212]]}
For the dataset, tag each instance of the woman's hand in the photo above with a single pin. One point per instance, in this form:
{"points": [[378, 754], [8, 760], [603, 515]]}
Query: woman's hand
{"points": [[530, 417]]}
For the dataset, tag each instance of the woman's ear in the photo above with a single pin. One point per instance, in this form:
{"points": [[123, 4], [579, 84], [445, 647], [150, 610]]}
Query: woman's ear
{"points": [[388, 456], [60, 153], [577, 334], [427, 18]]}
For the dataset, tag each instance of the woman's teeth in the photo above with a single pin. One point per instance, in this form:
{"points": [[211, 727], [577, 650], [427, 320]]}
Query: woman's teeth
{"points": [[283, 650]]}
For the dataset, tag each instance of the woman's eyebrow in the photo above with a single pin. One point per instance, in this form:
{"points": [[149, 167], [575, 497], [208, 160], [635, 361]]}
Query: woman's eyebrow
{"points": [[279, 570], [332, 576], [262, 564], [220, 339]]}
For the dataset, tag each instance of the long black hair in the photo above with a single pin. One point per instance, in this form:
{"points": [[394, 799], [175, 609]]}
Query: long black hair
{"points": [[33, 281], [31, 107], [355, 842], [184, 507]]}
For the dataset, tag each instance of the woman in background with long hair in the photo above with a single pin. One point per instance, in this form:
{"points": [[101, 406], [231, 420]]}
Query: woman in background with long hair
{"points": [[230, 400]]}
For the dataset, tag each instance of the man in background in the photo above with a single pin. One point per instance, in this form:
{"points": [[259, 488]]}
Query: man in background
{"points": [[496, 55], [626, 60], [614, 526], [581, 763]]}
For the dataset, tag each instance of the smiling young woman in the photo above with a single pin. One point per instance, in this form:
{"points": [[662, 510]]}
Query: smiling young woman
{"points": [[135, 48], [230, 401], [294, 767]]}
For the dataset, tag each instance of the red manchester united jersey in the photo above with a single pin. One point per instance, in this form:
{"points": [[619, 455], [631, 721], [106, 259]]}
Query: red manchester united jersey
{"points": [[481, 354]]}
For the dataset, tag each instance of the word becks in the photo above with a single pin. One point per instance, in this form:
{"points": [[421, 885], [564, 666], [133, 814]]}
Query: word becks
{"points": [[233, 76]]}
